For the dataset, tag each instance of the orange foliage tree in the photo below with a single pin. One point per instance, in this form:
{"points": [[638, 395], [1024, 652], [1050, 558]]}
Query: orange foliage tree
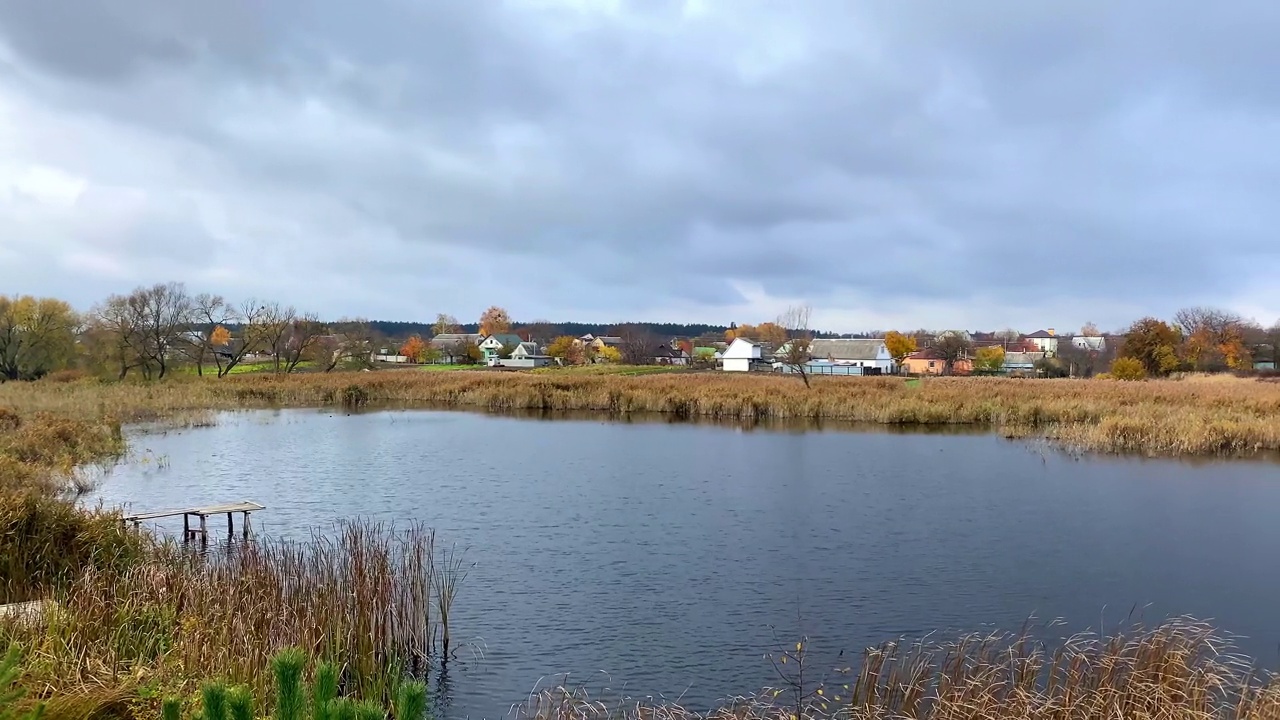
{"points": [[220, 337], [494, 321], [414, 348], [770, 332]]}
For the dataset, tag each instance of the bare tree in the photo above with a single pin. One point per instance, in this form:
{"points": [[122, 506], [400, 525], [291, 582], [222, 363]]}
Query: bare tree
{"points": [[276, 321], [167, 312], [208, 314], [304, 332], [349, 341], [115, 327], [797, 351], [444, 324], [637, 346], [951, 346]]}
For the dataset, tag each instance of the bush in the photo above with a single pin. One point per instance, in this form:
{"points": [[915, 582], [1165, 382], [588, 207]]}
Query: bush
{"points": [[1128, 369]]}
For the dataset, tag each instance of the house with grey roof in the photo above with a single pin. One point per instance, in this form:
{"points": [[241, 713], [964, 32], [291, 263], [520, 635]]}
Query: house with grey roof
{"points": [[451, 348], [1046, 341], [1022, 363], [857, 352], [527, 355], [492, 347]]}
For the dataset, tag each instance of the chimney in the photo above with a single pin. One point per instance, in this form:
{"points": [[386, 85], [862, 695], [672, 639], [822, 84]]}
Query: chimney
{"points": [[1050, 332]]}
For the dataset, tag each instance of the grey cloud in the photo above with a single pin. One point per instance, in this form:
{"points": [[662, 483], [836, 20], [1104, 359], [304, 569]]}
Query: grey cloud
{"points": [[900, 153]]}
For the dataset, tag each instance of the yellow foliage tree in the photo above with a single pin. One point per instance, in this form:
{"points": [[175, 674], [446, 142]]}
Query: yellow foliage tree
{"points": [[899, 345], [220, 337], [610, 354], [989, 359], [1128, 368], [494, 321], [770, 332]]}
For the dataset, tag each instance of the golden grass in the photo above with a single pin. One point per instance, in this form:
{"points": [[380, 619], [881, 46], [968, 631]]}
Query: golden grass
{"points": [[1176, 671], [362, 598], [1192, 416]]}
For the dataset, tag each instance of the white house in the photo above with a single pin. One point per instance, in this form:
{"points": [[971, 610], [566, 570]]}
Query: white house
{"points": [[527, 355], [863, 353], [1092, 343], [492, 346], [1046, 341], [742, 355]]}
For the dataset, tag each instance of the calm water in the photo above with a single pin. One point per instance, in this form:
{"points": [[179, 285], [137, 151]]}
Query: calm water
{"points": [[666, 555]]}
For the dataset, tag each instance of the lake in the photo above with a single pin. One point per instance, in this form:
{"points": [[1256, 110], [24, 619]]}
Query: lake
{"points": [[666, 558]]}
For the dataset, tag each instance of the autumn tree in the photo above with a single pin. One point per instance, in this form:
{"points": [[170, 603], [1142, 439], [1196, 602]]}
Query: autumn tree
{"points": [[567, 349], [1128, 368], [494, 321], [145, 328], [445, 324], [744, 331], [1213, 339], [796, 353], [770, 333], [414, 348], [348, 343], [304, 332], [899, 345], [37, 336], [1154, 343], [989, 359], [610, 354], [951, 346]]}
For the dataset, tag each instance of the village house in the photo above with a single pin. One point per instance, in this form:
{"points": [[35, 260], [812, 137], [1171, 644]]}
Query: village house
{"points": [[450, 347], [929, 362], [1022, 363], [744, 355], [861, 353], [1046, 341], [493, 345], [527, 355], [666, 354], [1089, 343]]}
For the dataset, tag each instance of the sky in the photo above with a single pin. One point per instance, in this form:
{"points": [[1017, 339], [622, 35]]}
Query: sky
{"points": [[905, 164]]}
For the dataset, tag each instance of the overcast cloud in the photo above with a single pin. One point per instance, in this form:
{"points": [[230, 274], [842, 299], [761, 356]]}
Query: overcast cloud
{"points": [[939, 164]]}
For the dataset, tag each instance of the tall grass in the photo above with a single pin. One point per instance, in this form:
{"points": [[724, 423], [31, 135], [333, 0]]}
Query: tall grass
{"points": [[361, 598], [1192, 416], [1176, 671]]}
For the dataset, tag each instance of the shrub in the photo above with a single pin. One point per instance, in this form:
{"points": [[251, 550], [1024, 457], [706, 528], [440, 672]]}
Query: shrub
{"points": [[1128, 369]]}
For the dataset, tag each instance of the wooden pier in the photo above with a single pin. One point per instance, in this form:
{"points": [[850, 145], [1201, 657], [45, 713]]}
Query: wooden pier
{"points": [[189, 533]]}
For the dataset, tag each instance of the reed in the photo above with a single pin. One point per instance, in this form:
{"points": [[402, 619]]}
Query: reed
{"points": [[1177, 670], [360, 598], [1188, 416]]}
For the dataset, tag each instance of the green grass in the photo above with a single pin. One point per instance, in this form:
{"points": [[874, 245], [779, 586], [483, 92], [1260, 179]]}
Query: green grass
{"points": [[266, 366]]}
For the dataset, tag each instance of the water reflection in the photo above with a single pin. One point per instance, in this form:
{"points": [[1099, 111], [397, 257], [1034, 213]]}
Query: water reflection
{"points": [[671, 556]]}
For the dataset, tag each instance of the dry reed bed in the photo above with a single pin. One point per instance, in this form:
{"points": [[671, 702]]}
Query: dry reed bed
{"points": [[1194, 416], [1176, 671], [365, 598]]}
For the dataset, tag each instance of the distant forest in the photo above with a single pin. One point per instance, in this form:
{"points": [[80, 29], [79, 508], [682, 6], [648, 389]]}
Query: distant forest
{"points": [[393, 329]]}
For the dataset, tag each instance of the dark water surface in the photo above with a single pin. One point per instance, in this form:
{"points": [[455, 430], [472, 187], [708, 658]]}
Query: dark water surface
{"points": [[666, 555]]}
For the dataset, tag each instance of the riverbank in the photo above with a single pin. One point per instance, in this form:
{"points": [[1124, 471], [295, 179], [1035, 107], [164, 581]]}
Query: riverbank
{"points": [[1196, 416]]}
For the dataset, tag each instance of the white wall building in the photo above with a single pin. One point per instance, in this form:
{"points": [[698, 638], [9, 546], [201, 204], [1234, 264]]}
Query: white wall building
{"points": [[742, 355]]}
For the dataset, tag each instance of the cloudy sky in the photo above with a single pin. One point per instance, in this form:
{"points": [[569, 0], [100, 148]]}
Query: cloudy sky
{"points": [[893, 164]]}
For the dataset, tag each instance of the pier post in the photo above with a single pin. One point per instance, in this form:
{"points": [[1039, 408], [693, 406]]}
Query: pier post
{"points": [[245, 525], [231, 528], [204, 530]]}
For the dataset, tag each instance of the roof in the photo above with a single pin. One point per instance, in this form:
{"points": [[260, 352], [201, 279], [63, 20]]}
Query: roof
{"points": [[530, 348], [668, 352], [453, 338], [610, 340], [1041, 334], [846, 349], [507, 339], [1022, 358]]}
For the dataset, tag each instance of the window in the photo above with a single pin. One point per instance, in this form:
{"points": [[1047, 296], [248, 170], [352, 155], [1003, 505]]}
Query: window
{"points": [[931, 364]]}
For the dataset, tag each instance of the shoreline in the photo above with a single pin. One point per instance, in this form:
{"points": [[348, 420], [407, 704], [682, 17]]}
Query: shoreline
{"points": [[1192, 417]]}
